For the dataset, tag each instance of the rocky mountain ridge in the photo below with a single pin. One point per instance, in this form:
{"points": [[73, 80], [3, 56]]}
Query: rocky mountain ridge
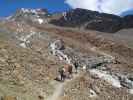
{"points": [[76, 18], [86, 19], [39, 15]]}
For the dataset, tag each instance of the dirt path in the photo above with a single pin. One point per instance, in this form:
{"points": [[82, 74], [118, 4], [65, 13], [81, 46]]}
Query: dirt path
{"points": [[57, 92], [59, 88]]}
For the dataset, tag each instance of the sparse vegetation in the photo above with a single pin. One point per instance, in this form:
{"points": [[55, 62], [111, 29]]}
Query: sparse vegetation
{"points": [[28, 73]]}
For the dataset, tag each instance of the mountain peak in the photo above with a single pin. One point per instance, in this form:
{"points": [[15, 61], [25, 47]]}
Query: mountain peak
{"points": [[87, 19], [33, 15], [33, 11]]}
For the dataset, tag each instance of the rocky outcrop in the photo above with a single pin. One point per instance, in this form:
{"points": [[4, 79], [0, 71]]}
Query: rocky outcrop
{"points": [[128, 21], [77, 18], [57, 45], [33, 11], [40, 16], [70, 56], [87, 19]]}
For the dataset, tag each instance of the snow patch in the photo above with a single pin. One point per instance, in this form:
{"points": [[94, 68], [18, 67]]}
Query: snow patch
{"points": [[40, 21], [107, 77], [23, 45], [8, 18], [25, 38], [131, 91], [34, 11], [56, 47], [64, 15]]}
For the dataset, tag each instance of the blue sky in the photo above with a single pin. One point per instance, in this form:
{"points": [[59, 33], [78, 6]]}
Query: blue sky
{"points": [[106, 6], [7, 7]]}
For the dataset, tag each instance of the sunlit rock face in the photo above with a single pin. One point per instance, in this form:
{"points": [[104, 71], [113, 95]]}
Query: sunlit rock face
{"points": [[33, 11], [37, 16]]}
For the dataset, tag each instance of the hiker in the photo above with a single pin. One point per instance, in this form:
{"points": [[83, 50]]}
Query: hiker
{"points": [[68, 70], [76, 66], [62, 74], [65, 72]]}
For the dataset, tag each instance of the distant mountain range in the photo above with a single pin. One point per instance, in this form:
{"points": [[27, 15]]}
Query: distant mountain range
{"points": [[128, 12], [75, 18], [86, 19]]}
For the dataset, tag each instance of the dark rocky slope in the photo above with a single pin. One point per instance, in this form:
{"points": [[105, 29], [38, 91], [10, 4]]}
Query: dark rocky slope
{"points": [[87, 19]]}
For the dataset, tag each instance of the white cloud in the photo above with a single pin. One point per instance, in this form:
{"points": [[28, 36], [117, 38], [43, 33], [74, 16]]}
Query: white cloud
{"points": [[107, 6]]}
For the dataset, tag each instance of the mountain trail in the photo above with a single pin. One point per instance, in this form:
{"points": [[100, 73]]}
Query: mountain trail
{"points": [[59, 88]]}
